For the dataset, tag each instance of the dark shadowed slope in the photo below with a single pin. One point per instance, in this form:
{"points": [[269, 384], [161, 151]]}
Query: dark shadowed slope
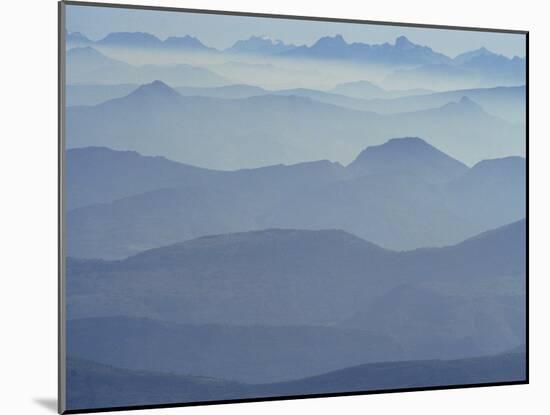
{"points": [[254, 354], [413, 374], [442, 320], [459, 300], [99, 175], [238, 306], [197, 205], [264, 277], [281, 276], [92, 385], [478, 255]]}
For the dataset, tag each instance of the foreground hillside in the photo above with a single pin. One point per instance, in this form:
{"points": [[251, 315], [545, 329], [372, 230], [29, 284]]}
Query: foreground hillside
{"points": [[279, 304], [92, 385], [329, 270]]}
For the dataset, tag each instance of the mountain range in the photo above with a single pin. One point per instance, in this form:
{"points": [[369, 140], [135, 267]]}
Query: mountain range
{"points": [[479, 67], [368, 90], [121, 202], [86, 65], [487, 70], [402, 51], [277, 128], [410, 65], [139, 40], [273, 219], [259, 45], [507, 103]]}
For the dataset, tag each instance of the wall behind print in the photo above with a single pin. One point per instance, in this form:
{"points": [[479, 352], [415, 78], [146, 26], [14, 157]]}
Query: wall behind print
{"points": [[28, 179]]}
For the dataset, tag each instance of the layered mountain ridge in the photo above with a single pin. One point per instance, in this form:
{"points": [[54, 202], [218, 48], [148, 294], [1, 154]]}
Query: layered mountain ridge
{"points": [[109, 192]]}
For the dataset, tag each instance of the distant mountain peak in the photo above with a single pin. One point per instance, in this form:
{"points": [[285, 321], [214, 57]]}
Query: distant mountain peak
{"points": [[186, 41], [476, 53], [409, 140], [403, 51], [408, 155], [470, 104], [157, 86], [403, 42], [261, 45], [399, 144], [331, 41], [130, 39], [77, 37], [89, 55], [263, 40], [466, 101], [481, 50], [154, 91], [463, 105]]}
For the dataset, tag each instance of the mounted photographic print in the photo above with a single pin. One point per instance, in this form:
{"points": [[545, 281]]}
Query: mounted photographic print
{"points": [[258, 207]]}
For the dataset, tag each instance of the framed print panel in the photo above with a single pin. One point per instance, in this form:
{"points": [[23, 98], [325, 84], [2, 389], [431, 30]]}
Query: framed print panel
{"points": [[258, 207]]}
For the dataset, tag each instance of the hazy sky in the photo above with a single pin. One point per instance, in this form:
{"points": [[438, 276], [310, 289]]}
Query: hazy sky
{"points": [[222, 31]]}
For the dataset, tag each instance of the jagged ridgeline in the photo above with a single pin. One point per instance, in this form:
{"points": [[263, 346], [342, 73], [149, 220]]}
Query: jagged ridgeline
{"points": [[309, 212]]}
